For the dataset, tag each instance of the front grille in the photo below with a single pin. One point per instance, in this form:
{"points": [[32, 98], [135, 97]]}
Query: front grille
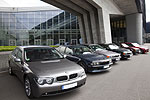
{"points": [[62, 78], [73, 76], [104, 63], [129, 53]]}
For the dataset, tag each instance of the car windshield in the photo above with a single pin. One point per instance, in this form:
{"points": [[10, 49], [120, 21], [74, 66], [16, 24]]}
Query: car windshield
{"points": [[136, 44], [124, 45], [41, 54], [96, 47], [113, 46], [81, 50]]}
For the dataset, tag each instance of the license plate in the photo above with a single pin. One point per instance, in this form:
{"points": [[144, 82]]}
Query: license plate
{"points": [[117, 59], [69, 86], [106, 66]]}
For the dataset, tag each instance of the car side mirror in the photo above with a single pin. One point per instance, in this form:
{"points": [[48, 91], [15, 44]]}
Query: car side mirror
{"points": [[17, 60]]}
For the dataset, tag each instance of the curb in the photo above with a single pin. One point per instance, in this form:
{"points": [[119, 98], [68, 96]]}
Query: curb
{"points": [[1, 72]]}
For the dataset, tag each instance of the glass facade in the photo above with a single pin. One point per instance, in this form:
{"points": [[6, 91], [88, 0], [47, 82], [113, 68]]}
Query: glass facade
{"points": [[118, 30], [38, 28]]}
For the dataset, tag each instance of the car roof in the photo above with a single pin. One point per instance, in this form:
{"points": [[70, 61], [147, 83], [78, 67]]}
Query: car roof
{"points": [[75, 45], [33, 46], [91, 44], [107, 44]]}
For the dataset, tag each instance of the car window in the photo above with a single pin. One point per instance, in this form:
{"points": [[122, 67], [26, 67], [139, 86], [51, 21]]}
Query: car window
{"points": [[136, 44], [124, 45], [104, 46], [81, 50], [69, 51], [130, 45], [96, 47], [41, 54], [15, 51], [112, 46], [19, 54]]}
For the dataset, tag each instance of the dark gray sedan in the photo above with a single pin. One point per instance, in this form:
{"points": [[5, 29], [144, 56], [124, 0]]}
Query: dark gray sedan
{"points": [[44, 71], [82, 55]]}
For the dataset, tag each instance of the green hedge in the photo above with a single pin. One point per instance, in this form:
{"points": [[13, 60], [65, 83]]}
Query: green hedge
{"points": [[55, 46], [10, 48], [7, 48]]}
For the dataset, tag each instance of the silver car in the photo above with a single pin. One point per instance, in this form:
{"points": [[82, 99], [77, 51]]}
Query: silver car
{"points": [[44, 71], [100, 50]]}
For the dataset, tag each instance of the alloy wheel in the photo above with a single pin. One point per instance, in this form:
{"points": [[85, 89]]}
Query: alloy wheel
{"points": [[27, 87]]}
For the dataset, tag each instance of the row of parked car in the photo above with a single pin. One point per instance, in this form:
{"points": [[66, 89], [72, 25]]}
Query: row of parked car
{"points": [[48, 71]]}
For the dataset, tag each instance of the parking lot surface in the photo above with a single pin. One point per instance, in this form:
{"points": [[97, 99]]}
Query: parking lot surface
{"points": [[127, 80]]}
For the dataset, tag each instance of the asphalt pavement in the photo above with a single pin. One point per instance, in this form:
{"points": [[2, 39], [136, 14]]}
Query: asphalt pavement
{"points": [[127, 80]]}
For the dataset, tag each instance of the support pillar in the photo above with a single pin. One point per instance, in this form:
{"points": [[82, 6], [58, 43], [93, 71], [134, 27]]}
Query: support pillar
{"points": [[134, 28]]}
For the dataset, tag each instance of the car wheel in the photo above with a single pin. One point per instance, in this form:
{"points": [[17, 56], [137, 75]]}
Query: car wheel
{"points": [[83, 66], [134, 53], [10, 71], [28, 88], [142, 51]]}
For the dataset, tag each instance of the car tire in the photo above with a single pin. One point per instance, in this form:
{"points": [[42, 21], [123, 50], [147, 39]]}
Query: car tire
{"points": [[10, 71], [142, 51], [134, 53], [28, 88], [83, 66]]}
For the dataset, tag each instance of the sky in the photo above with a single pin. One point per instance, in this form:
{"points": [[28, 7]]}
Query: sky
{"points": [[38, 3], [147, 10], [24, 3]]}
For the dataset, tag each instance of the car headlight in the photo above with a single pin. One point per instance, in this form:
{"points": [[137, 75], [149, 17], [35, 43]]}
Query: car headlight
{"points": [[81, 74], [49, 80], [42, 81], [95, 63]]}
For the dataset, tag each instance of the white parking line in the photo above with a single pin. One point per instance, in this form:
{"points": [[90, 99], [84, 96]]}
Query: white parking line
{"points": [[3, 72]]}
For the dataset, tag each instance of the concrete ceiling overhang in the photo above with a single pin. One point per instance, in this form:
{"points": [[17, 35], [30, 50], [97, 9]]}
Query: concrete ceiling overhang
{"points": [[94, 15], [120, 7], [127, 6]]}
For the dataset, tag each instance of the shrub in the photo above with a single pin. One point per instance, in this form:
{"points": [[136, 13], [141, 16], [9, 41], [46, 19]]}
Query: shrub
{"points": [[54, 46], [10, 48], [7, 48]]}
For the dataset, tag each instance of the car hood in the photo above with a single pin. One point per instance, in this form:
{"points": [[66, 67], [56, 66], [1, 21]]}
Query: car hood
{"points": [[52, 67], [134, 48], [106, 52], [92, 57], [144, 47], [120, 50]]}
